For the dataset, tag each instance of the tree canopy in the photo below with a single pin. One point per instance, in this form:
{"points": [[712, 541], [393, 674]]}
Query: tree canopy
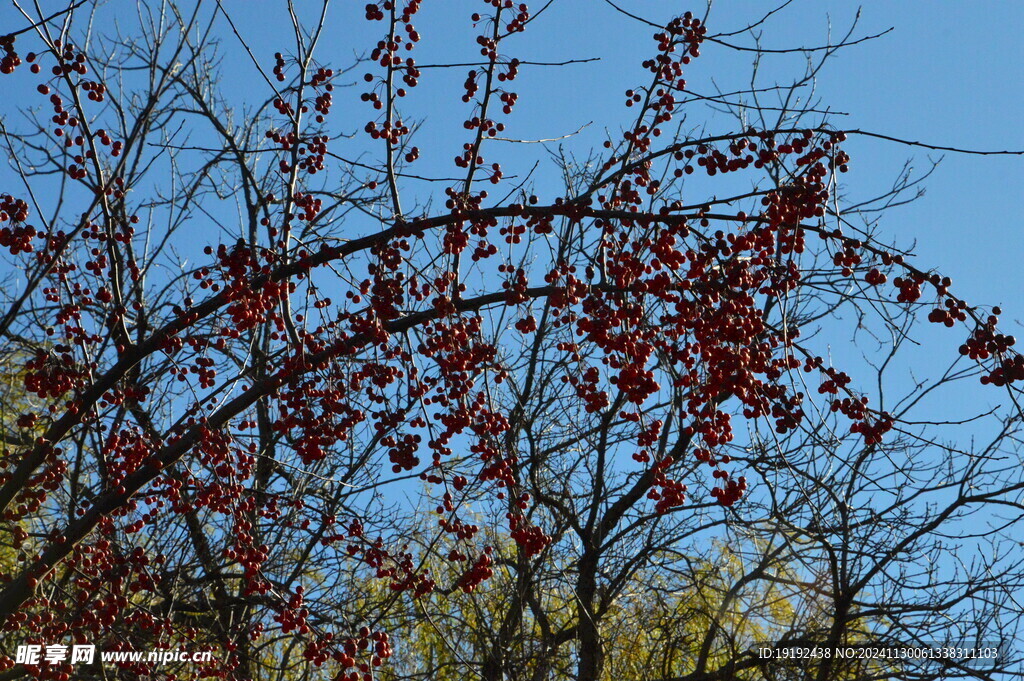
{"points": [[297, 382]]}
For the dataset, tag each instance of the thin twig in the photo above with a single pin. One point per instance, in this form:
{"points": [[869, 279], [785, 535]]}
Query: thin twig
{"points": [[521, 63], [39, 23], [632, 16], [793, 50], [552, 139]]}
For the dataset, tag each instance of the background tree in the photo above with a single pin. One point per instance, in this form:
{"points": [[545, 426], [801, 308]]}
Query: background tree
{"points": [[259, 346]]}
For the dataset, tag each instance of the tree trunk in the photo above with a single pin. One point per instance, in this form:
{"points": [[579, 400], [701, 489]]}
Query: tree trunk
{"points": [[591, 651]]}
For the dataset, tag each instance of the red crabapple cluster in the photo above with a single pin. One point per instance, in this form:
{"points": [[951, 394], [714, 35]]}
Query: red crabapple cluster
{"points": [[10, 59], [372, 647], [987, 343], [15, 235], [388, 53], [480, 571]]}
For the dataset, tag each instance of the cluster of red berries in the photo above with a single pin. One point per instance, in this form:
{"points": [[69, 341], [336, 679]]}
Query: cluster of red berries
{"points": [[70, 60], [279, 64], [322, 105], [588, 389], [53, 374], [909, 286], [308, 206], [837, 380], [948, 315], [16, 237], [873, 431], [731, 492], [471, 87], [875, 277], [97, 91], [529, 537], [516, 286], [10, 59], [666, 492], [518, 22], [480, 571], [402, 451], [985, 343]]}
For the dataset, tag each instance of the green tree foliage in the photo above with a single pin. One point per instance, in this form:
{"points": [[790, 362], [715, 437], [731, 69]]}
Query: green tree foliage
{"points": [[657, 627]]}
